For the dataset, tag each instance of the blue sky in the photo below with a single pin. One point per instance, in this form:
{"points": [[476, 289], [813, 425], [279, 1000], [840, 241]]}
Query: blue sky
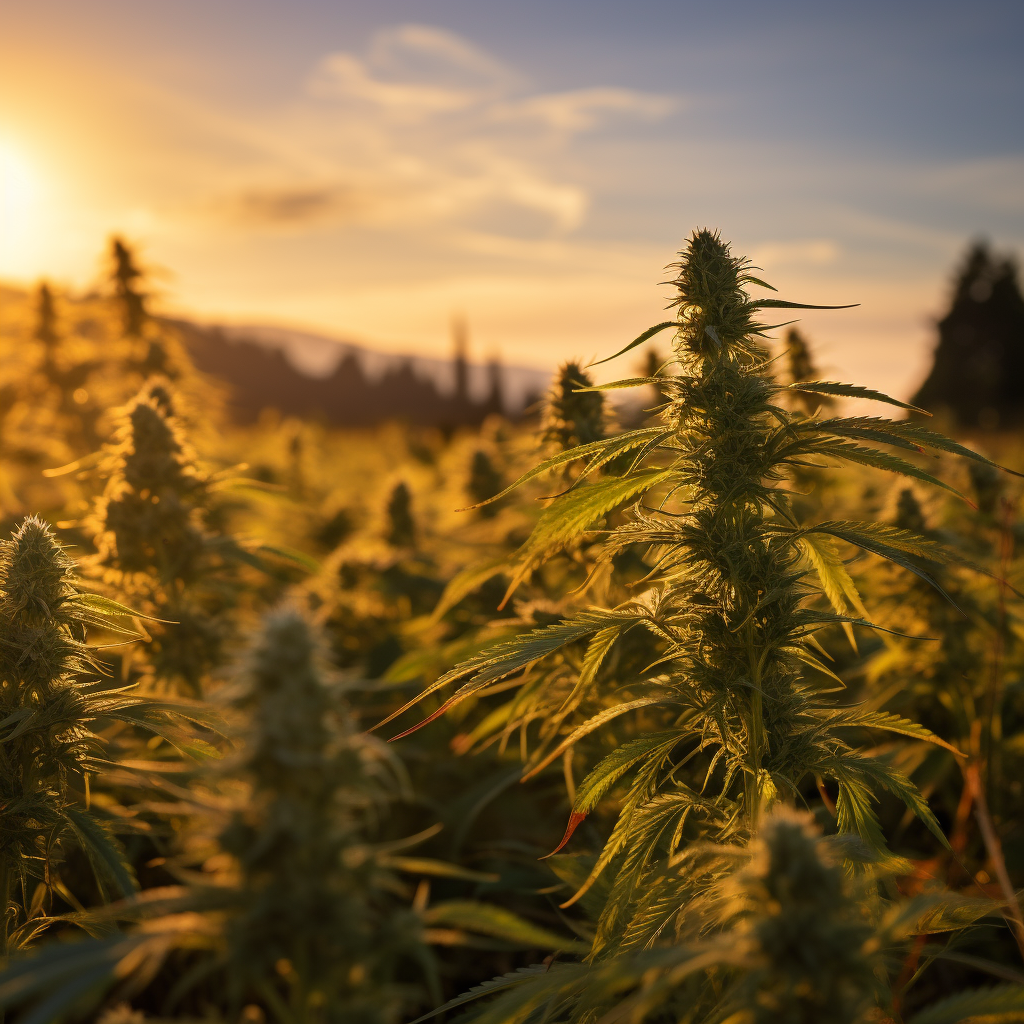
{"points": [[370, 170]]}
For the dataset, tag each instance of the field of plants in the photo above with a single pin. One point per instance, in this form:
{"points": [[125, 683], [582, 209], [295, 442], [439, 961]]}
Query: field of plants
{"points": [[710, 711]]}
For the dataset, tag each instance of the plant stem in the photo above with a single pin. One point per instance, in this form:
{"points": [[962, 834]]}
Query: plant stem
{"points": [[994, 848]]}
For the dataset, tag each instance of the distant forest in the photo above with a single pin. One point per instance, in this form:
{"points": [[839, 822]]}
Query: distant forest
{"points": [[263, 378]]}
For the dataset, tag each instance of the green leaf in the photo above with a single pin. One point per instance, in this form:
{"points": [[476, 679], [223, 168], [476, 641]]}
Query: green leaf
{"points": [[908, 432], [648, 334], [1005, 1004], [612, 767], [827, 387], [863, 429], [499, 923], [892, 723], [502, 659], [108, 607], [572, 514], [881, 460], [835, 580], [104, 853], [499, 984], [287, 554], [436, 868], [599, 452], [627, 382], [785, 304], [595, 722], [465, 582]]}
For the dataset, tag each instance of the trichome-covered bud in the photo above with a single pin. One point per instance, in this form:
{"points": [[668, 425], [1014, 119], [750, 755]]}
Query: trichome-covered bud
{"points": [[160, 392], [817, 948], [714, 311], [42, 636], [149, 510], [574, 417]]}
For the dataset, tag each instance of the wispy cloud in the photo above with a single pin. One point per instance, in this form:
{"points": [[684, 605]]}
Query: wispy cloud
{"points": [[426, 128]]}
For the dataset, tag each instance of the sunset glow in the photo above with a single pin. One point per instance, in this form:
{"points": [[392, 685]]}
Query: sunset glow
{"points": [[367, 175]]}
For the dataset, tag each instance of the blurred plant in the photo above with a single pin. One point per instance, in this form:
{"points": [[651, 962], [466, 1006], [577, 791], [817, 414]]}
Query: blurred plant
{"points": [[401, 526], [484, 483], [783, 934], [298, 915], [573, 417], [156, 538]]}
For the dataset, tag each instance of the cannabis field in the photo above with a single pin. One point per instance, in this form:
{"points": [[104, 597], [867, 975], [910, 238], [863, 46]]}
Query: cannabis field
{"points": [[708, 709]]}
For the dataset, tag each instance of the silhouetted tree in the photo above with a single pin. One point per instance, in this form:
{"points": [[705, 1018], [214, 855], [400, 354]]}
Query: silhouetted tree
{"points": [[978, 372]]}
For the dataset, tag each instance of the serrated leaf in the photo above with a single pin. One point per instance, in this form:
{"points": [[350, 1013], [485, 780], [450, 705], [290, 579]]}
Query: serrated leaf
{"points": [[626, 382], [1004, 1003], [104, 854], [508, 656], [613, 766], [595, 722], [882, 460], [598, 452], [499, 984], [836, 581], [572, 514], [786, 304], [646, 336], [499, 923], [893, 723], [837, 390]]}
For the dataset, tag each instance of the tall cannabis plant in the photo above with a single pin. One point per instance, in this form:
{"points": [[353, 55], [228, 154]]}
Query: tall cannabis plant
{"points": [[50, 743], [733, 709], [157, 542]]}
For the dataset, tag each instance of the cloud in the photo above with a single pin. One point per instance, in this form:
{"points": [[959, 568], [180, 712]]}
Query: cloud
{"points": [[584, 109], [425, 127], [413, 72], [800, 252]]}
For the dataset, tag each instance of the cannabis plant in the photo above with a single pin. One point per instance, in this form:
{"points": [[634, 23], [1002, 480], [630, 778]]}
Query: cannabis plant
{"points": [[782, 934], [575, 413], [727, 707], [299, 913], [157, 539], [51, 737]]}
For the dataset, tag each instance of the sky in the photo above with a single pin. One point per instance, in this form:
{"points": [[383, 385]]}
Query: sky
{"points": [[372, 170]]}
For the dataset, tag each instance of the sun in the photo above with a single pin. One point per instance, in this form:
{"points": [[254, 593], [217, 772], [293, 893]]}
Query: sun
{"points": [[19, 208]]}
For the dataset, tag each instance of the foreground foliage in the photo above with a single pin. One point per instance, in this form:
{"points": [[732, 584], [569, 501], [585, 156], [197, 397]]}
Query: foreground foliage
{"points": [[698, 658]]}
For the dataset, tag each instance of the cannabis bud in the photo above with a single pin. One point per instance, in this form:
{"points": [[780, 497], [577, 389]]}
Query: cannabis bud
{"points": [[42, 639], [573, 416]]}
